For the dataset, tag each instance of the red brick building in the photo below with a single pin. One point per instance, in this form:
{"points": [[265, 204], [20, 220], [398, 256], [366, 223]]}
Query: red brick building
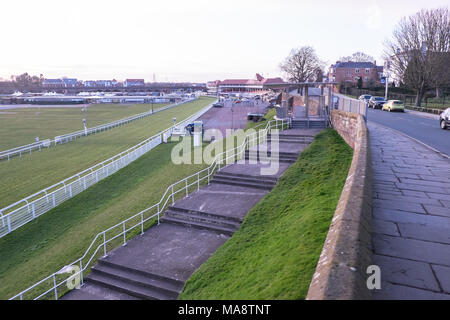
{"points": [[350, 72], [257, 85]]}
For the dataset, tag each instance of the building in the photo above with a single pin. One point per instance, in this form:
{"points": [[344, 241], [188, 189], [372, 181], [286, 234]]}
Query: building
{"points": [[257, 85], [70, 82], [350, 72], [53, 83], [134, 83]]}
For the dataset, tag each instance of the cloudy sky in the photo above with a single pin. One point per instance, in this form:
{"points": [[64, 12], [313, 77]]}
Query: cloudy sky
{"points": [[196, 40]]}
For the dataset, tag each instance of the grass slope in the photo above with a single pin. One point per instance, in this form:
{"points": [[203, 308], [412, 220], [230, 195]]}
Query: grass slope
{"points": [[20, 126], [32, 173], [61, 235], [274, 253]]}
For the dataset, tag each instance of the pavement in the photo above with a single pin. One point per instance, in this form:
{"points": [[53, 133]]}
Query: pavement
{"points": [[231, 116], [411, 216]]}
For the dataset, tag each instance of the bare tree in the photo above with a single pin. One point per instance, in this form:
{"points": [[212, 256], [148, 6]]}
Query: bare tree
{"points": [[419, 50], [301, 65], [358, 57]]}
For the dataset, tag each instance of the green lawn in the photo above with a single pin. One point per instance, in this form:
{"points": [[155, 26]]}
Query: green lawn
{"points": [[21, 126], [62, 235], [274, 253], [32, 173]]}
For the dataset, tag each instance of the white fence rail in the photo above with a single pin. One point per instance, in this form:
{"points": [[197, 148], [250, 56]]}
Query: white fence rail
{"points": [[27, 149], [56, 284], [31, 207]]}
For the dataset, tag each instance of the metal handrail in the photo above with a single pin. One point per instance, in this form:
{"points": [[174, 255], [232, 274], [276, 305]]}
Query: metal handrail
{"points": [[169, 195]]}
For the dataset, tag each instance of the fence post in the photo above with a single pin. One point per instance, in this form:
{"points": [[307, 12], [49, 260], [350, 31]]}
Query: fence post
{"points": [[104, 244], [173, 199], [124, 234], [54, 286], [142, 223], [198, 181], [187, 194]]}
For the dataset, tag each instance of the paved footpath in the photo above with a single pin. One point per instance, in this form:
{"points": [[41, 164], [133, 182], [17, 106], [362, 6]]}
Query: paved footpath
{"points": [[411, 217]]}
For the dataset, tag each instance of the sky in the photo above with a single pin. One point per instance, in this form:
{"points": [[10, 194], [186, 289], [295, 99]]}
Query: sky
{"points": [[195, 40]]}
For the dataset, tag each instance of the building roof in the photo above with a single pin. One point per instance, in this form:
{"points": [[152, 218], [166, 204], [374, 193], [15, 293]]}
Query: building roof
{"points": [[352, 64], [258, 81]]}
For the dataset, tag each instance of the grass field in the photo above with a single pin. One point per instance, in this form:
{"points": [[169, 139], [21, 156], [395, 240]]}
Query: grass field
{"points": [[32, 173], [21, 126], [274, 253]]}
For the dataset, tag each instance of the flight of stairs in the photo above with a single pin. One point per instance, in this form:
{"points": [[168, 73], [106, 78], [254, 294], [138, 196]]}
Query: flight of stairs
{"points": [[132, 282]]}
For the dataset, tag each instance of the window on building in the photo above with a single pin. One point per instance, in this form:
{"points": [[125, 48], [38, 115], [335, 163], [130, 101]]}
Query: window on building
{"points": [[366, 79], [348, 72], [357, 70], [367, 70]]}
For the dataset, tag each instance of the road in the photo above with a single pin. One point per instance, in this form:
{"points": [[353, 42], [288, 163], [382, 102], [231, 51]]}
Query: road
{"points": [[421, 128]]}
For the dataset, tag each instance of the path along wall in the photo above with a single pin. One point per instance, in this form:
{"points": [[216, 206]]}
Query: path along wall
{"points": [[341, 270]]}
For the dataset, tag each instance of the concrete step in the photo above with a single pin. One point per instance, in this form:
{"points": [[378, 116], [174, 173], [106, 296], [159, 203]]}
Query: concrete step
{"points": [[198, 225], [282, 140], [293, 136], [206, 214], [287, 155], [267, 159], [131, 289], [164, 286], [174, 282], [253, 185], [246, 176], [202, 219], [242, 178]]}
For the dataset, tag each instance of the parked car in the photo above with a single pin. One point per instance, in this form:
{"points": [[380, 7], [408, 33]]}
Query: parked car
{"points": [[376, 102], [444, 119], [365, 97], [394, 105], [218, 105]]}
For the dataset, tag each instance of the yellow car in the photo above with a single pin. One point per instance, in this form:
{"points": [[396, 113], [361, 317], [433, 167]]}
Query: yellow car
{"points": [[394, 105]]}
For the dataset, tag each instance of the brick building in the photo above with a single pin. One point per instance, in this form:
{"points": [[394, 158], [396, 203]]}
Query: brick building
{"points": [[350, 72], [257, 85]]}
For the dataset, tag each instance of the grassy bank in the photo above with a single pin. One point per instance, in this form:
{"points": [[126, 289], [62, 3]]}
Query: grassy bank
{"points": [[274, 253], [262, 124], [32, 173]]}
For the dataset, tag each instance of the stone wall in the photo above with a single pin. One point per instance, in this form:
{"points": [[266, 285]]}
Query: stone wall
{"points": [[341, 269]]}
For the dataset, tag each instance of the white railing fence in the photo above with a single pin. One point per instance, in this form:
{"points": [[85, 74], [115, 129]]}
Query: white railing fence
{"points": [[29, 148], [31, 207], [56, 284]]}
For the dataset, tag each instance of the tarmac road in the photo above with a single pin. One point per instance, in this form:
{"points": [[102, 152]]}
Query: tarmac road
{"points": [[423, 128]]}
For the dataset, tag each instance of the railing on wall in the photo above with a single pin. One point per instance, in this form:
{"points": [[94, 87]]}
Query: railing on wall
{"points": [[349, 104], [28, 149], [33, 206], [56, 284]]}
